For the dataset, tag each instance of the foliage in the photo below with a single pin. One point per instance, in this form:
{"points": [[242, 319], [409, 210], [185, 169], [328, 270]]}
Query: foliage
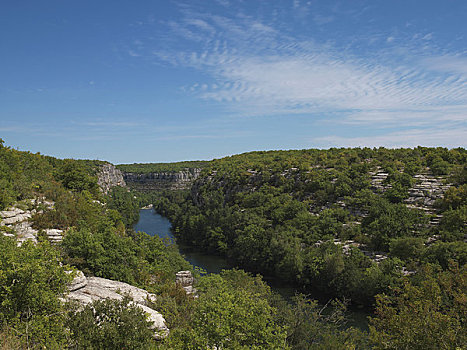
{"points": [[110, 324], [238, 311], [135, 259], [230, 317], [72, 175], [286, 214], [430, 314], [268, 212], [31, 280], [126, 204], [161, 167], [386, 221], [313, 326]]}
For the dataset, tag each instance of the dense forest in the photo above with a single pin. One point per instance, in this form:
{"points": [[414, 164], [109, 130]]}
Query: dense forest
{"points": [[317, 218], [311, 218]]}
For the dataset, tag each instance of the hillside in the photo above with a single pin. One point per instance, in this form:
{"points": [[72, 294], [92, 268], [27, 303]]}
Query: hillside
{"points": [[344, 222]]}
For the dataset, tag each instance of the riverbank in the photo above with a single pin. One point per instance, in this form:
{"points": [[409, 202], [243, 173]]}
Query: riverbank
{"points": [[155, 224]]}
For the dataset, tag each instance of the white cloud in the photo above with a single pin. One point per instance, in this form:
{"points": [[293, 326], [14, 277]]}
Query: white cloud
{"points": [[261, 70], [448, 137], [224, 3], [309, 83], [199, 23], [455, 64], [428, 36]]}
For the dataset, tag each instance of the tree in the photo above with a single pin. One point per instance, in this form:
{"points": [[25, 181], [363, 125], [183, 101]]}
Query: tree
{"points": [[427, 315], [228, 317], [311, 326], [73, 175], [31, 282]]}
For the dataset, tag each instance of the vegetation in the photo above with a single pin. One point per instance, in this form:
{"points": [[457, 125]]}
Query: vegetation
{"points": [[426, 313], [237, 311], [289, 215], [110, 324], [161, 167], [99, 240], [31, 280]]}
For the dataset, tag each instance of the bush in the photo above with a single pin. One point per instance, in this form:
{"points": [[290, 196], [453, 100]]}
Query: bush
{"points": [[31, 281], [110, 324]]}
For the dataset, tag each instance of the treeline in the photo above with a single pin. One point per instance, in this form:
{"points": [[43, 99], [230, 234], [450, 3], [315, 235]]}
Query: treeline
{"points": [[312, 218], [144, 168]]}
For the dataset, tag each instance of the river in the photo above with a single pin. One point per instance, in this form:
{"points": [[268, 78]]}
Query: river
{"points": [[155, 224]]}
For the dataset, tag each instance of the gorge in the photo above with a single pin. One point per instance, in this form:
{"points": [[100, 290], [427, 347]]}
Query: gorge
{"points": [[380, 229]]}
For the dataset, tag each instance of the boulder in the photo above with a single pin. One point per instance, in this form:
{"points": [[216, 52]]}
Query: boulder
{"points": [[86, 290], [139, 295]]}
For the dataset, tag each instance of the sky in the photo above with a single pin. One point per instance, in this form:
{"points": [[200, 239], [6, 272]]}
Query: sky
{"points": [[158, 81]]}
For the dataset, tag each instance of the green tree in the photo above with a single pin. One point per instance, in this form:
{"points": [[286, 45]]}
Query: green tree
{"points": [[31, 282], [74, 176], [427, 315], [230, 318]]}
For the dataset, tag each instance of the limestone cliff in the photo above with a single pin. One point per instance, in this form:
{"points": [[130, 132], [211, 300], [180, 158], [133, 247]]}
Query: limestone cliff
{"points": [[109, 176], [163, 180]]}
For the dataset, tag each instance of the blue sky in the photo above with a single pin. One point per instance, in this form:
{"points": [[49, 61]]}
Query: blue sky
{"points": [[150, 81]]}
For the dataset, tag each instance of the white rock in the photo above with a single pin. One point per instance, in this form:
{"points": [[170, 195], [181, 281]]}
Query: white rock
{"points": [[17, 218], [159, 327], [80, 281], [54, 235], [139, 295], [11, 212], [86, 290], [185, 280]]}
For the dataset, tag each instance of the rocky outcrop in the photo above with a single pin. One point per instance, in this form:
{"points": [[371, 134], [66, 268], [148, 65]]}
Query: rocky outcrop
{"points": [[17, 220], [54, 235], [87, 290], [162, 180], [377, 180], [109, 176], [427, 189], [422, 195], [79, 281], [185, 280]]}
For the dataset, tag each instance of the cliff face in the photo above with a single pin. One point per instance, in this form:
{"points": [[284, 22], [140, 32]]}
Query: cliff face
{"points": [[109, 176], [164, 180]]}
